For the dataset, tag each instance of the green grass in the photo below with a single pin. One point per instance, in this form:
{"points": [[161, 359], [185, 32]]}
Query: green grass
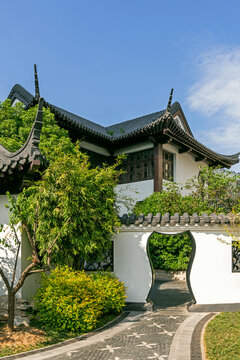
{"points": [[222, 337], [52, 336]]}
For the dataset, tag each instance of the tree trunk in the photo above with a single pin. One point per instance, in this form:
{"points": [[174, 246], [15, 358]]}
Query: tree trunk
{"points": [[11, 311]]}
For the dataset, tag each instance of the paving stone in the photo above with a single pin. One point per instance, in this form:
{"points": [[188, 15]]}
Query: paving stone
{"points": [[149, 337]]}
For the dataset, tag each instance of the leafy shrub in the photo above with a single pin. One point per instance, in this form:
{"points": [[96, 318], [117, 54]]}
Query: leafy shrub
{"points": [[75, 301], [171, 201], [220, 188], [170, 252]]}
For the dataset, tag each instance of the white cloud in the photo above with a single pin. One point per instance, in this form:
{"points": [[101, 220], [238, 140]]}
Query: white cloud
{"points": [[216, 94]]}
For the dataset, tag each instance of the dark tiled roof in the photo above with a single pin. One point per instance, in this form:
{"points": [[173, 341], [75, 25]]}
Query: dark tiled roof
{"points": [[28, 155], [112, 132], [178, 220], [160, 125], [18, 92], [131, 126], [79, 121]]}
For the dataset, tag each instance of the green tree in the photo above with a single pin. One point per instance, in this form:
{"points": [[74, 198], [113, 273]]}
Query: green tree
{"points": [[68, 215], [16, 123], [170, 252], [171, 201], [213, 190], [218, 188]]}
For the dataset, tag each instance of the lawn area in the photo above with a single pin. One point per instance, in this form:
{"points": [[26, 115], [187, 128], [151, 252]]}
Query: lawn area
{"points": [[27, 338], [222, 337]]}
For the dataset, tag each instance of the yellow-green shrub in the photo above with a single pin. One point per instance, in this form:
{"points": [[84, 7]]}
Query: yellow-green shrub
{"points": [[75, 301]]}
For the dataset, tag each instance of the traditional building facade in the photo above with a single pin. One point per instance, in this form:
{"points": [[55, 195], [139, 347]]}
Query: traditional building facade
{"points": [[159, 146]]}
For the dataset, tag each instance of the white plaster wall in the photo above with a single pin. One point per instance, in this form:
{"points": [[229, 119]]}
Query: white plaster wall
{"points": [[15, 102], [131, 264], [185, 166], [137, 191], [211, 277], [8, 255]]}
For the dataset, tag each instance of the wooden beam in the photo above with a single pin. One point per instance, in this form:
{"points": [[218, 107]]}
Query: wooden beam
{"points": [[182, 150], [200, 158], [158, 160]]}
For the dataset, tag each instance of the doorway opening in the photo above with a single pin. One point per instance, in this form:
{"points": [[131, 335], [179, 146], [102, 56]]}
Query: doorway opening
{"points": [[171, 257]]}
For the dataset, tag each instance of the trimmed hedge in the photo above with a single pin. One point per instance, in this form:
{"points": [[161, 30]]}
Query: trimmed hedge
{"points": [[75, 301]]}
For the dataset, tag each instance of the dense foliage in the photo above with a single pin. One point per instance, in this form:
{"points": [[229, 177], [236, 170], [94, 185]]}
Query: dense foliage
{"points": [[71, 210], [218, 188], [170, 201], [16, 123], [74, 301], [214, 190], [170, 252], [70, 213]]}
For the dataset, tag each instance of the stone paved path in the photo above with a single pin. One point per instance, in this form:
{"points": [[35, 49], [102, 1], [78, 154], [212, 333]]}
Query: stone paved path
{"points": [[165, 294], [148, 336]]}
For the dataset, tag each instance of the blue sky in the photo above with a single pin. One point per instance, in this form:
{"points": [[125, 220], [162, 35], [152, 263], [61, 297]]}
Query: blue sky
{"points": [[111, 61]]}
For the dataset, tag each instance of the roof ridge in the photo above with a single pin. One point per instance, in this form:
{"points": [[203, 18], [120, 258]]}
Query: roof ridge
{"points": [[144, 116]]}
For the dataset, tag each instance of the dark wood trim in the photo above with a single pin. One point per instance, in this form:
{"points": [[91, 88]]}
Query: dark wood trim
{"points": [[183, 150], [158, 159], [200, 158]]}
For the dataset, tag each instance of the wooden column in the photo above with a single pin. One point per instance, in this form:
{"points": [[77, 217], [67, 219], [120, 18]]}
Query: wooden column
{"points": [[158, 160]]}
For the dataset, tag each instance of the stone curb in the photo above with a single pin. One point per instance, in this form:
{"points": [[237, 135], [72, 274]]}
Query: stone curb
{"points": [[181, 344], [203, 327], [26, 354], [197, 348]]}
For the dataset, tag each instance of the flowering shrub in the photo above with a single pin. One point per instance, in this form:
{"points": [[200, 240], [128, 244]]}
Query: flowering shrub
{"points": [[75, 301]]}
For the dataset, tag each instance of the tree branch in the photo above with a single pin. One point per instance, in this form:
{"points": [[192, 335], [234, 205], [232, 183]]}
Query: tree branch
{"points": [[5, 279], [15, 265], [33, 246], [23, 277], [28, 235], [38, 271]]}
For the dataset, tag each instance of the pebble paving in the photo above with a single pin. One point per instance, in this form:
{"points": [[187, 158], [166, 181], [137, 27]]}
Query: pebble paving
{"points": [[149, 335]]}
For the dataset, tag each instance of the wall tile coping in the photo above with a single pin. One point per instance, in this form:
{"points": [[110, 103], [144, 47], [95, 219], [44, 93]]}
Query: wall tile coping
{"points": [[179, 220]]}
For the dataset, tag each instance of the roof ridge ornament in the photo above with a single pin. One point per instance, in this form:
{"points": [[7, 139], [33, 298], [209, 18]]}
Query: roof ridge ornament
{"points": [[37, 92], [169, 101]]}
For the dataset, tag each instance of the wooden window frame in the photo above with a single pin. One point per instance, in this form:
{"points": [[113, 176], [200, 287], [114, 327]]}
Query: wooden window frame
{"points": [[139, 166], [167, 165]]}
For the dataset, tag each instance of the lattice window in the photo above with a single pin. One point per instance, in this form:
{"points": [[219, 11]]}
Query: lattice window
{"points": [[167, 165], [138, 166], [103, 264], [235, 258]]}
